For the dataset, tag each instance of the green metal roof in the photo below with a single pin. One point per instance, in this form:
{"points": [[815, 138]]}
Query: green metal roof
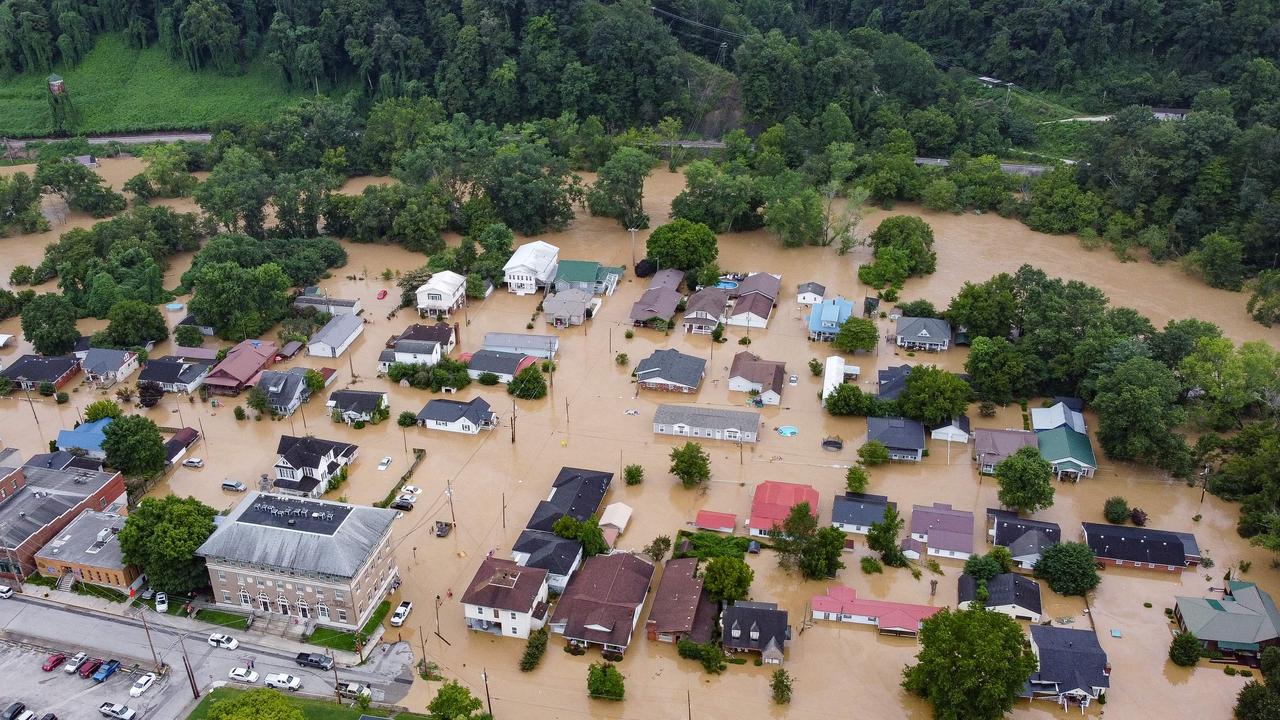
{"points": [[1062, 443]]}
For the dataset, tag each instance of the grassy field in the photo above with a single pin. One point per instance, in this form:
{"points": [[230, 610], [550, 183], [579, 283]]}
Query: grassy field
{"points": [[311, 709], [339, 640], [119, 89], [232, 621]]}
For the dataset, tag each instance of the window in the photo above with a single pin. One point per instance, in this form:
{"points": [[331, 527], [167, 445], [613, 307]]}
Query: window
{"points": [[338, 595], [244, 598], [737, 633], [513, 616], [226, 596], [222, 576], [342, 615], [755, 634], [495, 613]]}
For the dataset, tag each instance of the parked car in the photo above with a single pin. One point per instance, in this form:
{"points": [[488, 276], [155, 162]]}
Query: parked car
{"points": [[106, 670], [401, 504], [74, 663], [284, 681], [13, 711], [411, 490], [443, 528], [794, 380], [6, 591], [402, 612], [193, 463], [244, 675], [314, 660], [26, 715], [219, 640], [54, 661], [90, 667], [118, 711], [162, 602], [142, 685], [48, 716], [234, 486], [384, 463], [407, 498], [352, 691]]}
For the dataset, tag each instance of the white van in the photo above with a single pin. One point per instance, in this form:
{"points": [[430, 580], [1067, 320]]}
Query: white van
{"points": [[6, 591]]}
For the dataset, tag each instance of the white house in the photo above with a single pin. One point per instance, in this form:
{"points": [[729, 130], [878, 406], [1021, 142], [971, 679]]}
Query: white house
{"points": [[835, 373], [560, 557], [506, 599], [305, 465], [106, 367], [333, 306], [764, 378], [1007, 593], [468, 417], [174, 375], [956, 430], [336, 336], [410, 352], [505, 365], [532, 265], [442, 294], [352, 406], [810, 293]]}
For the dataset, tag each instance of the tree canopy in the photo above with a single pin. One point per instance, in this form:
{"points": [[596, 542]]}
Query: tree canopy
{"points": [[727, 578], [1025, 480], [1070, 568], [682, 245], [690, 464], [133, 446], [161, 536]]}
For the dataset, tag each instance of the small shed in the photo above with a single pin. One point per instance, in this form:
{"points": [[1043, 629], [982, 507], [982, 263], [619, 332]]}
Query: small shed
{"points": [[716, 521]]}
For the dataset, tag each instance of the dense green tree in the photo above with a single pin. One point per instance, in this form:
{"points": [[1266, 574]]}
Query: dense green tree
{"points": [[165, 173], [1185, 649], [133, 445], [794, 210], [855, 334], [720, 198], [1270, 666], [1257, 702], [20, 210], [882, 537], [188, 336], [982, 568], [258, 704], [618, 191], [1138, 412], [802, 545], [683, 245], [132, 323], [103, 408], [855, 479], [988, 309], [972, 664], [1220, 261], [1070, 568], [49, 324], [160, 536], [604, 682], [1025, 481], [1116, 509], [872, 453], [932, 395], [587, 532], [1179, 338], [780, 684], [80, 187], [909, 235], [997, 371], [236, 192], [240, 303], [528, 384], [531, 189], [455, 702], [727, 578], [691, 464], [1058, 205]]}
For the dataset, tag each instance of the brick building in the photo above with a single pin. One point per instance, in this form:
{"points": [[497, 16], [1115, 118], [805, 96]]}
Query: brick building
{"points": [[323, 562], [89, 551]]}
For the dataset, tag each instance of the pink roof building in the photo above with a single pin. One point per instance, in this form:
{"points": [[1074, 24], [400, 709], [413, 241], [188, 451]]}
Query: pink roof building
{"points": [[773, 502], [842, 604], [716, 521]]}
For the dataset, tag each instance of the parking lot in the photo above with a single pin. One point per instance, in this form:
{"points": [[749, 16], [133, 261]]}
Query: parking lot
{"points": [[68, 696]]}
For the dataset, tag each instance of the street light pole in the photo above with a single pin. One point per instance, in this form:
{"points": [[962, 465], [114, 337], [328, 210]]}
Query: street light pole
{"points": [[484, 675]]}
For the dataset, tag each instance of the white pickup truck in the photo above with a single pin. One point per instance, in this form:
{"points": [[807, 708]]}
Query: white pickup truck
{"points": [[283, 681], [118, 711]]}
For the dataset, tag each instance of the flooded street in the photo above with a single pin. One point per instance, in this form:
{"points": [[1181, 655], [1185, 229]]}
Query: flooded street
{"points": [[584, 422]]}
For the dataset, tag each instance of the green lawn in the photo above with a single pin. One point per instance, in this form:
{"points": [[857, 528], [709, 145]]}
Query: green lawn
{"points": [[311, 709], [119, 89], [232, 621], [341, 640]]}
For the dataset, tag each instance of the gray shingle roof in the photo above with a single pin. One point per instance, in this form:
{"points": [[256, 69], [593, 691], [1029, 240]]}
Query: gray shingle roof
{"points": [[171, 370], [532, 343], [576, 493], [812, 287], [924, 330], [765, 618], [548, 551], [706, 417], [1023, 536], [99, 361], [892, 381], [282, 388], [896, 432], [416, 347], [301, 452], [337, 330], [1072, 659], [859, 508], [495, 361], [38, 368], [252, 535], [1004, 589], [359, 401], [476, 410], [672, 366]]}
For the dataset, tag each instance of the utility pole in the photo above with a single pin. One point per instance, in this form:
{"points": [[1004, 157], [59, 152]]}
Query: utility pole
{"points": [[448, 492], [633, 247], [186, 663], [484, 675], [504, 511], [202, 434], [513, 421], [423, 643], [303, 413], [142, 613], [440, 602], [336, 693]]}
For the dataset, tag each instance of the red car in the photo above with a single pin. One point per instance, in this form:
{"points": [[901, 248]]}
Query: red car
{"points": [[54, 661], [382, 294], [90, 667]]}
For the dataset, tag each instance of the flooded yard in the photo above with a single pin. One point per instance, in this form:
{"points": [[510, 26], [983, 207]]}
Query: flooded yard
{"points": [[496, 480]]}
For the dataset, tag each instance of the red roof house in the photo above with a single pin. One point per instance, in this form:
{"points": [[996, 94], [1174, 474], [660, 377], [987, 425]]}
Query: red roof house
{"points": [[238, 368], [842, 604], [716, 521], [773, 502]]}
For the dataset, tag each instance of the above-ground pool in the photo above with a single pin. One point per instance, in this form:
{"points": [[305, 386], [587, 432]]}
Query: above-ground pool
{"points": [[173, 307], [727, 284], [788, 431]]}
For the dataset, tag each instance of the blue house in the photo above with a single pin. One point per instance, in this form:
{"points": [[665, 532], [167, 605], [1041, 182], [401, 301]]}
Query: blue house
{"points": [[87, 439], [826, 318]]}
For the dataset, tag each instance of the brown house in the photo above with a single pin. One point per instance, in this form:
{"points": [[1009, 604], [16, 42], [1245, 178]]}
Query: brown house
{"points": [[37, 503], [242, 363], [681, 606], [992, 446], [602, 602], [88, 550]]}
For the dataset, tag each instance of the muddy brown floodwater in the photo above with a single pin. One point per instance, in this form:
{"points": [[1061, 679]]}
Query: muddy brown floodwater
{"points": [[584, 422]]}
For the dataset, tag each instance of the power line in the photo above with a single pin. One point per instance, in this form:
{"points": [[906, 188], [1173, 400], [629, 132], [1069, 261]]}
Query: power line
{"points": [[695, 23]]}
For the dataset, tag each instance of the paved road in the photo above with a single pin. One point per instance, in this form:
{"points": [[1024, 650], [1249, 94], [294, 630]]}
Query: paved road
{"points": [[139, 139], [32, 621], [1029, 169]]}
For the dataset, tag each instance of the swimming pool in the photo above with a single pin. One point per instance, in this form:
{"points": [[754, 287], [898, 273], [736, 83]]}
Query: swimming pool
{"points": [[788, 431], [727, 284]]}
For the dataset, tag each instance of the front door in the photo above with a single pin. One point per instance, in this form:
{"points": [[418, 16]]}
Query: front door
{"points": [[264, 603]]}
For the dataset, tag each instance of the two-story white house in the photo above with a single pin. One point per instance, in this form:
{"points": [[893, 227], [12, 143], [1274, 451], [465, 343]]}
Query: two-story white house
{"points": [[506, 599], [532, 266], [410, 352], [442, 294], [305, 465]]}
